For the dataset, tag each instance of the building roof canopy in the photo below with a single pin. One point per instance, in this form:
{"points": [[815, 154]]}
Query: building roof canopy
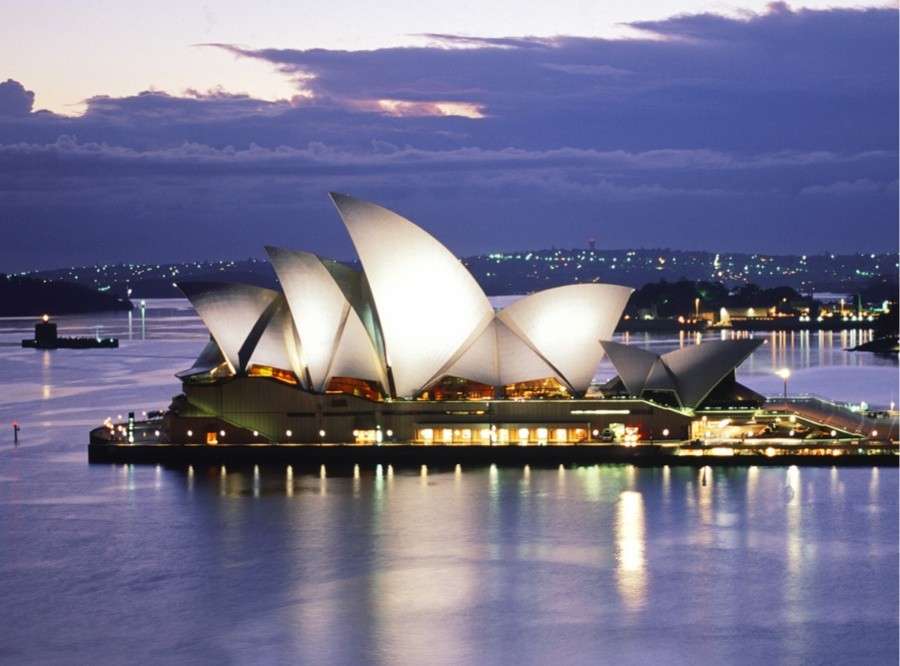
{"points": [[413, 315]]}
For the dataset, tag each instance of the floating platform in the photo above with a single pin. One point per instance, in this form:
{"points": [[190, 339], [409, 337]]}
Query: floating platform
{"points": [[74, 343], [45, 337]]}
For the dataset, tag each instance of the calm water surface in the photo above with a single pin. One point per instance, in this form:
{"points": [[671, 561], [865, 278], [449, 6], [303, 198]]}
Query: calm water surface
{"points": [[608, 564]]}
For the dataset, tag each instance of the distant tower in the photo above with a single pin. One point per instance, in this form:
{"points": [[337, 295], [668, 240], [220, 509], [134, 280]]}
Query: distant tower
{"points": [[45, 333], [592, 243]]}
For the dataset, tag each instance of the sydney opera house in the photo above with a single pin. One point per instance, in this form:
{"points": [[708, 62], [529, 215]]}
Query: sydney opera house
{"points": [[409, 349]]}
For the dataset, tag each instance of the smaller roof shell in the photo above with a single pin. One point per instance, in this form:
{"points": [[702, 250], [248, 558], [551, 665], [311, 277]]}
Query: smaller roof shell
{"points": [[691, 372]]}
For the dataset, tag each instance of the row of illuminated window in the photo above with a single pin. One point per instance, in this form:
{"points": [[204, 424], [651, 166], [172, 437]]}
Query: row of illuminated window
{"points": [[501, 436]]}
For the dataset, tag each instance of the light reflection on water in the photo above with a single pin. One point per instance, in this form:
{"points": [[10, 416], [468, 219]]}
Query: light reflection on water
{"points": [[630, 572], [489, 564]]}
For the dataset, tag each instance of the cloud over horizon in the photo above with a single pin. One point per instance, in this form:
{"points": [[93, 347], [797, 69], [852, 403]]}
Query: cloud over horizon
{"points": [[771, 132]]}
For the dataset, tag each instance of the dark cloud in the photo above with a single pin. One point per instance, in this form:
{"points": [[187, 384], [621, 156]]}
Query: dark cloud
{"points": [[785, 78], [192, 107], [774, 131], [14, 99]]}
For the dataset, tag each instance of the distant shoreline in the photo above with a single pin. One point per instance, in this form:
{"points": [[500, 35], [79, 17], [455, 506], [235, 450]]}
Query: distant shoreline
{"points": [[780, 324], [883, 345], [28, 297]]}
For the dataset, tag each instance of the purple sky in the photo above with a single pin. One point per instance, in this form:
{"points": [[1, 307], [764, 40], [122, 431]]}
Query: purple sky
{"points": [[772, 132]]}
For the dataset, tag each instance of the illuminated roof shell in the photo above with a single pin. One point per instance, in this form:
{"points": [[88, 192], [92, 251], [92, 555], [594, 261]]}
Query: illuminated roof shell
{"points": [[412, 316], [333, 339], [565, 325], [691, 372], [428, 303], [232, 313], [278, 346]]}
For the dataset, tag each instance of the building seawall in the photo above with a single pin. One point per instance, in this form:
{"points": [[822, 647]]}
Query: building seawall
{"points": [[411, 455]]}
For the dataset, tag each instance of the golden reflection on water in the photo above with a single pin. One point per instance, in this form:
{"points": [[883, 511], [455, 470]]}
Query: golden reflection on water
{"points": [[129, 473], [418, 606], [873, 485], [836, 485], [591, 484], [630, 563], [752, 486], [705, 500], [378, 489], [793, 495], [436, 569]]}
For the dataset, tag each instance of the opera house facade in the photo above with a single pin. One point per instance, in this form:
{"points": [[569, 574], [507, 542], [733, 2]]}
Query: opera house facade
{"points": [[409, 349]]}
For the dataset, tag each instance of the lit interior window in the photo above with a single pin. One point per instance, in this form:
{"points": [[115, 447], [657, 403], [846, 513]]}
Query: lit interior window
{"points": [[457, 388], [548, 388], [285, 376], [361, 388]]}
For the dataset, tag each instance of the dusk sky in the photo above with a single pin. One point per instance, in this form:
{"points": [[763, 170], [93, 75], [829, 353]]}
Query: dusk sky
{"points": [[178, 131]]}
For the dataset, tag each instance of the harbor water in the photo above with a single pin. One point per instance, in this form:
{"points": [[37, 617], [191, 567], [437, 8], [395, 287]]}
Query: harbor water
{"points": [[108, 564]]}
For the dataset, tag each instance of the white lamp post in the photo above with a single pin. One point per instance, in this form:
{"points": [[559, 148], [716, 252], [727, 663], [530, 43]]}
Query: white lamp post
{"points": [[784, 373]]}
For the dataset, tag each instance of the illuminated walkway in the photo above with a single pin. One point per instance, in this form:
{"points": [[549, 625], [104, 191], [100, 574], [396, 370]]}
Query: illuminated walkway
{"points": [[836, 416]]}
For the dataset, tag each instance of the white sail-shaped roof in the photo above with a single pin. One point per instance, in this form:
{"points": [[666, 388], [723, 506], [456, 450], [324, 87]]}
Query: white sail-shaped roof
{"points": [[355, 355], [232, 314], [565, 326], [317, 305], [357, 292], [698, 368], [210, 358], [480, 361], [428, 303], [333, 339], [519, 362], [278, 345], [632, 363], [690, 372]]}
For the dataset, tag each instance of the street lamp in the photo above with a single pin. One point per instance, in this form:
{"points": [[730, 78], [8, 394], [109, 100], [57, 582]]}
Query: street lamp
{"points": [[784, 373]]}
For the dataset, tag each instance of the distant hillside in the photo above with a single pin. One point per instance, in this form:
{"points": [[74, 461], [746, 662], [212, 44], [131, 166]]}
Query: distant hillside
{"points": [[166, 288], [22, 296], [525, 271]]}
